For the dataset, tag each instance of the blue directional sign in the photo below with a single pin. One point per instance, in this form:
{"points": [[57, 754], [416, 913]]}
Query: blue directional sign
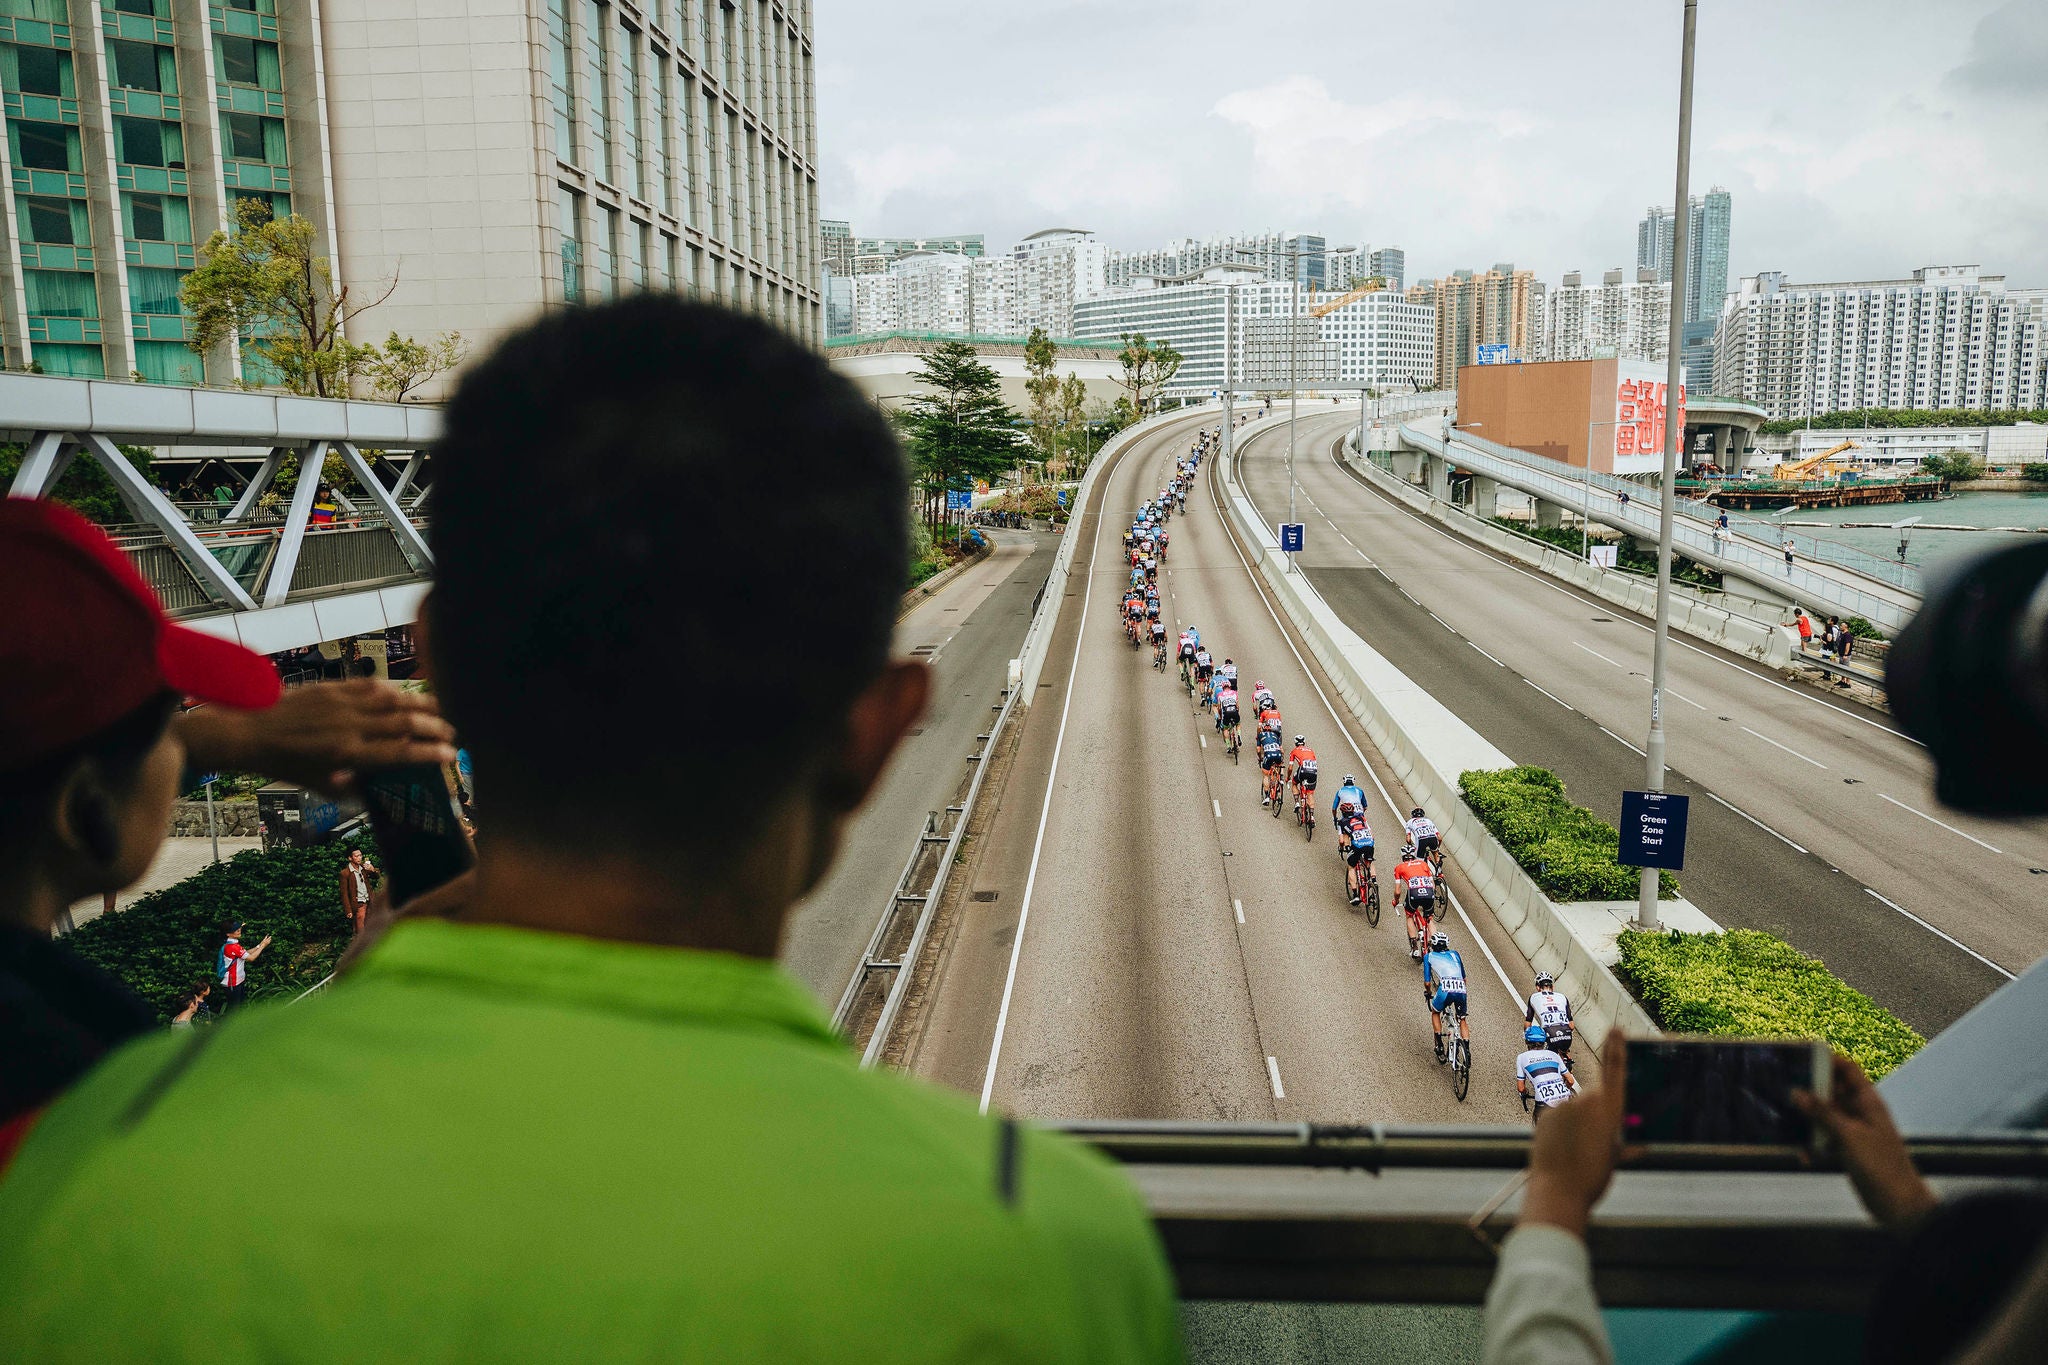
{"points": [[959, 499], [1653, 829], [1493, 354], [1060, 496], [1290, 536]]}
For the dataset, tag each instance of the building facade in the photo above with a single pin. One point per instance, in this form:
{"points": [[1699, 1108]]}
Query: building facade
{"points": [[1301, 257], [893, 248], [1706, 256], [1056, 269], [1390, 263], [479, 166], [1627, 319], [835, 245], [1949, 337], [1502, 306]]}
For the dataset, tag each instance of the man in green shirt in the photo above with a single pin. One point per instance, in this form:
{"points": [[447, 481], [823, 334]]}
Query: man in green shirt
{"points": [[587, 1117]]}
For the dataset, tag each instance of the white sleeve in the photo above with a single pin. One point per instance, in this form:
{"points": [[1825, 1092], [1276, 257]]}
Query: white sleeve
{"points": [[1540, 1308]]}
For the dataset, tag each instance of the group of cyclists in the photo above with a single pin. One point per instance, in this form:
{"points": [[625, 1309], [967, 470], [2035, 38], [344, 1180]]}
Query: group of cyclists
{"points": [[1542, 1071]]}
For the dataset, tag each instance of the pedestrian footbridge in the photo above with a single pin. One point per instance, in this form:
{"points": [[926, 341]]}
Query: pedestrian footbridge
{"points": [[263, 566], [1821, 575]]}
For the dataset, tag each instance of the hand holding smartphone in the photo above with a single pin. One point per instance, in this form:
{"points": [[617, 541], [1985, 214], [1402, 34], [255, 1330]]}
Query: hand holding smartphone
{"points": [[418, 828], [1701, 1094]]}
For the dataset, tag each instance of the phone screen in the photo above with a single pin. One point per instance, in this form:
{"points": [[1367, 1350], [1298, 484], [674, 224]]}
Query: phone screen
{"points": [[419, 834], [1693, 1092]]}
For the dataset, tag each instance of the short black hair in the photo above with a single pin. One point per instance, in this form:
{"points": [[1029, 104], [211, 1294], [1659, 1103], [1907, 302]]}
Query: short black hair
{"points": [[28, 795], [669, 544]]}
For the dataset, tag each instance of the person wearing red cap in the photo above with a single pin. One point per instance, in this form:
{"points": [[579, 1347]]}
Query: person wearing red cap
{"points": [[92, 744]]}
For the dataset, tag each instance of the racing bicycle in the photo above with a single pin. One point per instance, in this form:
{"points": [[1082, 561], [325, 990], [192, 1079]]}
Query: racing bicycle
{"points": [[1455, 1051], [1231, 742], [1304, 811], [1159, 656]]}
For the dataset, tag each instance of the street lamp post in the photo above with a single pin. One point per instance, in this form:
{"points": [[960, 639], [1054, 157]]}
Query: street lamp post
{"points": [[1646, 899], [1586, 503]]}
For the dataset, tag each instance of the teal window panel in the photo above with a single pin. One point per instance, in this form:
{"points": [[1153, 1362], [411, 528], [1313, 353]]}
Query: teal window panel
{"points": [[140, 28], [157, 327], [70, 185], [150, 179], [154, 291], [167, 361], [35, 256], [23, 30], [160, 255], [75, 361]]}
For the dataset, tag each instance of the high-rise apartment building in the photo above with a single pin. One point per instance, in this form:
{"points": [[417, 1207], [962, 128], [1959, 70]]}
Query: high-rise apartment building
{"points": [[941, 291], [1390, 263], [1706, 256], [1502, 306], [835, 245], [487, 164], [1949, 337], [893, 248], [1301, 257], [1622, 318], [1056, 269]]}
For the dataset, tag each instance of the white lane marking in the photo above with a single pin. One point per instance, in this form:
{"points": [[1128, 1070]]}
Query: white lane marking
{"points": [[1794, 752], [1204, 739], [1943, 823], [1682, 697], [1239, 907], [1803, 693], [1938, 934], [1598, 655], [1231, 533], [1273, 1070], [1404, 592], [1552, 695], [995, 1050], [1445, 624], [1497, 661], [1758, 823], [1218, 806], [1622, 742]]}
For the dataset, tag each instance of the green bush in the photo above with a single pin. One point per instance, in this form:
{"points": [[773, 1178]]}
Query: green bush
{"points": [[1862, 629], [1904, 417], [2034, 473], [1752, 984], [1957, 466], [1568, 850], [170, 938]]}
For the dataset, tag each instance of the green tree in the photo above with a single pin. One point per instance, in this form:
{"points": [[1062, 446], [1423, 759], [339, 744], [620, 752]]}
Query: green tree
{"points": [[86, 488], [1147, 369], [1042, 387], [1957, 466], [404, 364], [1076, 446], [2034, 473], [959, 429]]}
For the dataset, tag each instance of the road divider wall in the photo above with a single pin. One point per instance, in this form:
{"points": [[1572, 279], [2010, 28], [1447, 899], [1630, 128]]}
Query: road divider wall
{"points": [[1767, 642], [1428, 746], [1038, 637]]}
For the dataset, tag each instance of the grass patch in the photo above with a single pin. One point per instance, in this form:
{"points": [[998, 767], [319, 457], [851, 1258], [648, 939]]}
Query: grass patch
{"points": [[1567, 849], [1751, 984]]}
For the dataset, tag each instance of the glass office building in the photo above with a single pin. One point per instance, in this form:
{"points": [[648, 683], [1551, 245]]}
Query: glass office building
{"points": [[481, 165]]}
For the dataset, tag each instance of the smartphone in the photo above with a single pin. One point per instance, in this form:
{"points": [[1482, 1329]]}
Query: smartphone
{"points": [[1697, 1093], [419, 833]]}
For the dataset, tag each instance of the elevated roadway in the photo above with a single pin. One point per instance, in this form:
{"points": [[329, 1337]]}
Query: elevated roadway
{"points": [[1812, 817], [1142, 939], [968, 631]]}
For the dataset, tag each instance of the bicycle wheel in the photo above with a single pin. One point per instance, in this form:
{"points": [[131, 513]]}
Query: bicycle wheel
{"points": [[1276, 806], [1461, 1070], [1231, 744], [1308, 822], [1372, 901]]}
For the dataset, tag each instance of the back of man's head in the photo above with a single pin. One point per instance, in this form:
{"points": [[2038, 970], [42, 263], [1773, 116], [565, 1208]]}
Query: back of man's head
{"points": [[669, 545]]}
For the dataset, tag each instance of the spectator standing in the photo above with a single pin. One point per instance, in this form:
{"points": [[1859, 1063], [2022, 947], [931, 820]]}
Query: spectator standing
{"points": [[233, 969], [1789, 547], [1805, 627], [355, 889], [326, 507], [596, 1075], [1831, 638], [194, 1004], [1624, 499]]}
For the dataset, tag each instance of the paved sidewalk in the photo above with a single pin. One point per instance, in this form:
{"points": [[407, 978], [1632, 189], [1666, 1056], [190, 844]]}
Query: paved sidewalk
{"points": [[175, 861]]}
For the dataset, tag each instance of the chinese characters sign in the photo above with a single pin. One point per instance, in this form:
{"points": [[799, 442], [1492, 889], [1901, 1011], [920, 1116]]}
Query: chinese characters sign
{"points": [[1640, 414]]}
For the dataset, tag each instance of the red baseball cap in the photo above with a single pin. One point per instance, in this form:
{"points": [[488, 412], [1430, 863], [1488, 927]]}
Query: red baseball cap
{"points": [[85, 641]]}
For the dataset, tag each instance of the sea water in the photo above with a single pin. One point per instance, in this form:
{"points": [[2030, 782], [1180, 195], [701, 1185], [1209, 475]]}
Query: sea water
{"points": [[1924, 547]]}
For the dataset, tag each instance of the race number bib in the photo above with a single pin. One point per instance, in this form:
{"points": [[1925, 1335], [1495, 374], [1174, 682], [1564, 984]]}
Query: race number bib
{"points": [[1552, 1090], [1451, 985]]}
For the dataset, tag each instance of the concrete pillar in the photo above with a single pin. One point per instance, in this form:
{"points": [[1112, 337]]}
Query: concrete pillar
{"points": [[1757, 589], [1485, 496], [1724, 441], [1407, 465], [1438, 472], [1549, 515]]}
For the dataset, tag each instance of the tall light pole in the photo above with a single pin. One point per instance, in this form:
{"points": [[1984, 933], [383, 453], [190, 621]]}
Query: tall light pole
{"points": [[1674, 424], [1586, 505]]}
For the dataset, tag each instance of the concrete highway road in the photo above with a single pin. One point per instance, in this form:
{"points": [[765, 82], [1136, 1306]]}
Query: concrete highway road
{"points": [[968, 630], [1812, 817], [1143, 940]]}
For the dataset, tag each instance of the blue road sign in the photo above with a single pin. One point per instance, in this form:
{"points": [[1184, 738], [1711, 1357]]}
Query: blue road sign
{"points": [[1653, 829], [1060, 495], [1290, 536], [959, 499], [1490, 354]]}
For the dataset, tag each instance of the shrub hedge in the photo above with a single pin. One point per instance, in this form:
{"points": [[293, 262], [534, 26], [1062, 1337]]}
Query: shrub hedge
{"points": [[1746, 982], [170, 938], [1568, 850]]}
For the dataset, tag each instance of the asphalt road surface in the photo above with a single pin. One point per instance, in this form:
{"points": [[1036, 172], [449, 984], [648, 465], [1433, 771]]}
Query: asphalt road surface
{"points": [[1144, 940], [1812, 817], [968, 630]]}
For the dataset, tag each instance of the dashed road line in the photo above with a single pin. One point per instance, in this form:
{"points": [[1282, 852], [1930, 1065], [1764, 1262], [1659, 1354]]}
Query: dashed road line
{"points": [[1273, 1070], [1440, 621], [1217, 806], [1598, 655], [1758, 823], [1814, 761], [1622, 742], [1943, 823], [1238, 905], [1552, 695], [1497, 661], [1940, 935]]}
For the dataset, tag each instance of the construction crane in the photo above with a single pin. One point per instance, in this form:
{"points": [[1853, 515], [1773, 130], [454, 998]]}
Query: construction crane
{"points": [[1817, 466], [1371, 286]]}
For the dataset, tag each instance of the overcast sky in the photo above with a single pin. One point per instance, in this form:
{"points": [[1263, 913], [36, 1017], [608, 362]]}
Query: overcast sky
{"points": [[1860, 138]]}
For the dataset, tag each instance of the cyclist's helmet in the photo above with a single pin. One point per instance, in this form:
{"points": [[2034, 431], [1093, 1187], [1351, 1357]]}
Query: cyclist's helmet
{"points": [[1258, 687], [1301, 739], [1415, 814], [1439, 942], [1544, 981], [1534, 1036], [1350, 781], [1407, 850]]}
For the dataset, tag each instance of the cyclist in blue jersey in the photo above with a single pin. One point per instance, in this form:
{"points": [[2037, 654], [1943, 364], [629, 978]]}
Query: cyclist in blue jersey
{"points": [[1541, 1077], [1443, 981], [1350, 794], [1272, 760], [1354, 844]]}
